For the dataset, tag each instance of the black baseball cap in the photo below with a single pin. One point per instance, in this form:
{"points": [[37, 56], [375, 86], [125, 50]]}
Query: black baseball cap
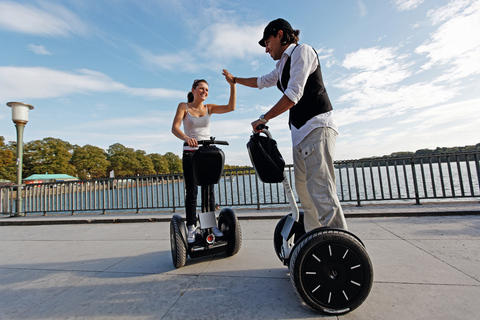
{"points": [[273, 27]]}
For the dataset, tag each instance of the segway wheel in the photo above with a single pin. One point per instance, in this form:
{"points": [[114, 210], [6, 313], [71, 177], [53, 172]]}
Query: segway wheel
{"points": [[178, 241], [230, 227], [331, 271], [298, 229]]}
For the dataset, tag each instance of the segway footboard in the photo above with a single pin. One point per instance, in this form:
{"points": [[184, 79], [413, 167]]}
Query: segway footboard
{"points": [[331, 270], [207, 250]]}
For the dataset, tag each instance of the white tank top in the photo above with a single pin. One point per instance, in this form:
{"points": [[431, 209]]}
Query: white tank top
{"points": [[196, 127]]}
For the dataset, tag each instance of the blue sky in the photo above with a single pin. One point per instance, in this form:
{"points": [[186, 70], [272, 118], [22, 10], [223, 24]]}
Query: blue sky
{"points": [[402, 74]]}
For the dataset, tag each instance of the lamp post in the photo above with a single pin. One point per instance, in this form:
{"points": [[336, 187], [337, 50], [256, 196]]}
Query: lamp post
{"points": [[20, 118]]}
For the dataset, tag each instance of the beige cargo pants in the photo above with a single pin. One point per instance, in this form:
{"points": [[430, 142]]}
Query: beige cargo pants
{"points": [[315, 180]]}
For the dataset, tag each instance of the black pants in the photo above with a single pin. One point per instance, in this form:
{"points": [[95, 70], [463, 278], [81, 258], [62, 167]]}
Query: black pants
{"points": [[191, 189]]}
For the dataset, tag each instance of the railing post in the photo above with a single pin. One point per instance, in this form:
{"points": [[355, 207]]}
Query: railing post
{"points": [[356, 184], [173, 192], [415, 184], [258, 193]]}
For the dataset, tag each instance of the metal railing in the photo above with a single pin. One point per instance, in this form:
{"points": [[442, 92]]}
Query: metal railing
{"points": [[433, 177]]}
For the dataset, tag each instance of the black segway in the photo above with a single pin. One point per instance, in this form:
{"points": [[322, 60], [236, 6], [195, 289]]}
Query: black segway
{"points": [[208, 163], [329, 268]]}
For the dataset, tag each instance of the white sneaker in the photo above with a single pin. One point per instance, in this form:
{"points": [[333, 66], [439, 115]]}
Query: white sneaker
{"points": [[191, 233], [217, 232]]}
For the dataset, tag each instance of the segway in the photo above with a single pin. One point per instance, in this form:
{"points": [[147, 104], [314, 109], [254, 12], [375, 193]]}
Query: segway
{"points": [[329, 268], [208, 163]]}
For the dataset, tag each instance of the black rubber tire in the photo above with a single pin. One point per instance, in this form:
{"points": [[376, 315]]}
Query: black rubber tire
{"points": [[277, 235], [331, 271], [178, 241], [229, 225]]}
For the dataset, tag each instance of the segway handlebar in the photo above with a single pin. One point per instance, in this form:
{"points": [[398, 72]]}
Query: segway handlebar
{"points": [[264, 129], [209, 142]]}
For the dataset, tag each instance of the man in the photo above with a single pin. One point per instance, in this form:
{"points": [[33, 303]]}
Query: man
{"points": [[311, 119]]}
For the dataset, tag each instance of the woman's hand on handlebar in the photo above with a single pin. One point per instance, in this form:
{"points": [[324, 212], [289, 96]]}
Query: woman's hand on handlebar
{"points": [[257, 123], [192, 142]]}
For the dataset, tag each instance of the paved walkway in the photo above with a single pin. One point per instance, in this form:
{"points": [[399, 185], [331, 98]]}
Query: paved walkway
{"points": [[426, 267]]}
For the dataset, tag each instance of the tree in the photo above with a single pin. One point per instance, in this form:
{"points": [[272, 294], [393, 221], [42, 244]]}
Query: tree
{"points": [[7, 162], [145, 165], [174, 162], [160, 163], [422, 152], [49, 155], [90, 162], [122, 160]]}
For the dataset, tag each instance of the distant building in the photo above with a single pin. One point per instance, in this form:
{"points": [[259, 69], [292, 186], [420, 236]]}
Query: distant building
{"points": [[41, 178], [5, 183]]}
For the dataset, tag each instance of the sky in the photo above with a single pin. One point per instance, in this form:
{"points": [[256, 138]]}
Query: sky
{"points": [[402, 75]]}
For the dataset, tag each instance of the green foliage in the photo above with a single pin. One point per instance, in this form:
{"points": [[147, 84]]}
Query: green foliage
{"points": [[90, 162], [56, 156], [49, 155], [123, 160], [160, 163], [439, 151], [145, 165], [174, 162], [402, 154], [228, 167], [129, 162], [8, 169]]}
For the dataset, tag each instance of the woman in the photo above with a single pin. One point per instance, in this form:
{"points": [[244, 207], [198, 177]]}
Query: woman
{"points": [[195, 115]]}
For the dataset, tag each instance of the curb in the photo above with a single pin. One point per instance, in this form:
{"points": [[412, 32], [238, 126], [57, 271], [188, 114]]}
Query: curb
{"points": [[242, 217]]}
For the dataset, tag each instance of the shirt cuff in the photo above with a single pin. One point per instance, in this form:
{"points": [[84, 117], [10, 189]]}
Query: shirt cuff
{"points": [[291, 95], [260, 84]]}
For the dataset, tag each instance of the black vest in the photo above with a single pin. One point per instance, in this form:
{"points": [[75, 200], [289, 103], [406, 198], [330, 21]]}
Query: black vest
{"points": [[314, 100]]}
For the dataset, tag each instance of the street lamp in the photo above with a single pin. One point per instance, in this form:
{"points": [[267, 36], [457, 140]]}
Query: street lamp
{"points": [[20, 118]]}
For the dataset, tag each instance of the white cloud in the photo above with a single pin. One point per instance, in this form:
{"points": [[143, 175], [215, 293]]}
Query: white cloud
{"points": [[443, 116], [383, 103], [39, 82], [51, 20], [405, 5], [376, 83], [217, 44], [370, 58], [183, 61], [448, 11], [362, 8], [455, 43], [444, 125], [390, 105], [39, 49], [227, 41]]}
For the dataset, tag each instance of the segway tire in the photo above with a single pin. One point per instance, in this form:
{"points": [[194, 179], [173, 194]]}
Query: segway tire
{"points": [[298, 229], [178, 241], [331, 271], [230, 227]]}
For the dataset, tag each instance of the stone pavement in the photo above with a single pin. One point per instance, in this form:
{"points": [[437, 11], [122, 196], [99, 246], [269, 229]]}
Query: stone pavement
{"points": [[426, 266]]}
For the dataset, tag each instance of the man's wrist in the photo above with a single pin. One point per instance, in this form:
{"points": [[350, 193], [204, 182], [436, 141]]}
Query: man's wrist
{"points": [[262, 118]]}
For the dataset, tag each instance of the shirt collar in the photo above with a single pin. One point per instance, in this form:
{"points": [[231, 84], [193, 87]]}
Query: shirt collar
{"points": [[289, 50]]}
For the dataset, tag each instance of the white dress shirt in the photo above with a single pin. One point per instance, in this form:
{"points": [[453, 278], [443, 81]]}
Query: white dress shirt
{"points": [[303, 63]]}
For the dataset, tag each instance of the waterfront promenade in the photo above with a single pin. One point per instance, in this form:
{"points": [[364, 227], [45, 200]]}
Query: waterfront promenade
{"points": [[426, 262]]}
